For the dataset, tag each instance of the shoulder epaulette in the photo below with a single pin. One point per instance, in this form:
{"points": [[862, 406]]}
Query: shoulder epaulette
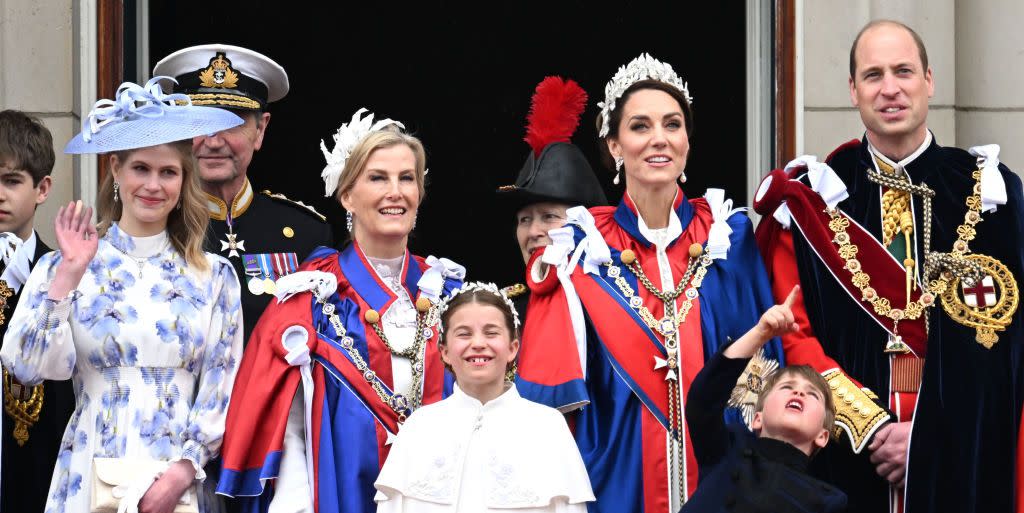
{"points": [[286, 199], [514, 290]]}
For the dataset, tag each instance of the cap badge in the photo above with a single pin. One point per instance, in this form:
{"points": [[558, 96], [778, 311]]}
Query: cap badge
{"points": [[219, 74]]}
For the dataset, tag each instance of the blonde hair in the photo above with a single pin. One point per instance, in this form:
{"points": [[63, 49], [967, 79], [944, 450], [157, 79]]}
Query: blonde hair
{"points": [[186, 226], [384, 138]]}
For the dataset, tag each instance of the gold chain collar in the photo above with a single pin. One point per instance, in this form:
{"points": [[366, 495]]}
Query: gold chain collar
{"points": [[941, 269], [426, 316]]}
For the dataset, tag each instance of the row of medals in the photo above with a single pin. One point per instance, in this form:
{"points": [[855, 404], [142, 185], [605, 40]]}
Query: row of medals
{"points": [[258, 285]]}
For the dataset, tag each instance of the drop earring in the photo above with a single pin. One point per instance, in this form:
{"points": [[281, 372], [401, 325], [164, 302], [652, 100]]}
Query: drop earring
{"points": [[116, 193], [682, 177], [348, 221], [618, 169]]}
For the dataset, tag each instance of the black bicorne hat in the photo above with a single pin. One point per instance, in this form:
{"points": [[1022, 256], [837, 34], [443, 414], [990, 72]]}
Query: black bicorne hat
{"points": [[556, 170]]}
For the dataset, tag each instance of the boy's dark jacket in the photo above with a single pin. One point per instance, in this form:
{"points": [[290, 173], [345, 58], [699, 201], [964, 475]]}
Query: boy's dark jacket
{"points": [[739, 471], [26, 470]]}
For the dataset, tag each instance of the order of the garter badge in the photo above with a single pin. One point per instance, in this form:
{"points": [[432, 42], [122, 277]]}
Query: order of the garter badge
{"points": [[219, 74], [987, 304]]}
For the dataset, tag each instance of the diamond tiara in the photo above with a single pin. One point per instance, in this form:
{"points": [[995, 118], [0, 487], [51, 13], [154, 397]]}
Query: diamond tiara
{"points": [[643, 67]]}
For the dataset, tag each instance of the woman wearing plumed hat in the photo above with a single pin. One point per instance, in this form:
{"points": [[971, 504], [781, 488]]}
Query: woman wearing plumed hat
{"points": [[555, 176]]}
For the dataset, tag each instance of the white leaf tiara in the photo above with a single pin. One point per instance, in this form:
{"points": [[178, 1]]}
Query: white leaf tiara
{"points": [[643, 67], [487, 287], [345, 140]]}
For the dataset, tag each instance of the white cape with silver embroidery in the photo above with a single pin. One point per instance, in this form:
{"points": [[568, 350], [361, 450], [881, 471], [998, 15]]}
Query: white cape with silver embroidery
{"points": [[459, 455]]}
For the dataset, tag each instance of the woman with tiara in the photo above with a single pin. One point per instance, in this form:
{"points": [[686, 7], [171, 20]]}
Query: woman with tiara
{"points": [[630, 301], [349, 350], [145, 323]]}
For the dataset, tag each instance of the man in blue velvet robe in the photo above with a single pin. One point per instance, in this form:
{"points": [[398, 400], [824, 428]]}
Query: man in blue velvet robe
{"points": [[930, 405]]}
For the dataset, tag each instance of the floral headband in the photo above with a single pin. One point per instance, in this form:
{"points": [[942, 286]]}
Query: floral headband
{"points": [[486, 287], [345, 140]]}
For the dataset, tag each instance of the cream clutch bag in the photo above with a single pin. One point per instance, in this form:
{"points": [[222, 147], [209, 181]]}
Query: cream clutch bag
{"points": [[117, 479]]}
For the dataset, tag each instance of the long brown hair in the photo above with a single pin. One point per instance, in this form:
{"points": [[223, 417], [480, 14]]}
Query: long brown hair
{"points": [[186, 226], [615, 116]]}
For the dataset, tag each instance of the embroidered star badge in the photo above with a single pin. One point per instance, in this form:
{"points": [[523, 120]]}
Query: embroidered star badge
{"points": [[232, 244]]}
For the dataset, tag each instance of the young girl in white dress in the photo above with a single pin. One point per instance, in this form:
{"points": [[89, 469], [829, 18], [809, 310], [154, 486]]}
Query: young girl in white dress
{"points": [[484, 448]]}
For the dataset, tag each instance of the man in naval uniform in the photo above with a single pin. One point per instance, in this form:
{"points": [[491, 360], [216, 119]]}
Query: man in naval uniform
{"points": [[555, 177], [907, 253], [264, 235]]}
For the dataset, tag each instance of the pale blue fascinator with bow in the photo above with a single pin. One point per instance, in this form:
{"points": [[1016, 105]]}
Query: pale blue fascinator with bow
{"points": [[141, 116]]}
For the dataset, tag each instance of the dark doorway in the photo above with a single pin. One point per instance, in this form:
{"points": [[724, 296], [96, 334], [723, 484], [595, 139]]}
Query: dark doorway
{"points": [[461, 79]]}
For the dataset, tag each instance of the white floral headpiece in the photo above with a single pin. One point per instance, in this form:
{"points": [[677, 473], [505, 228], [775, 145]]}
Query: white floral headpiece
{"points": [[643, 67], [487, 287], [348, 136]]}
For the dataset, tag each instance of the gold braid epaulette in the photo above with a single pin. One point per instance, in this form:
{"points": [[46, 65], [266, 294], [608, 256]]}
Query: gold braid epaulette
{"points": [[514, 290], [282, 197], [856, 411]]}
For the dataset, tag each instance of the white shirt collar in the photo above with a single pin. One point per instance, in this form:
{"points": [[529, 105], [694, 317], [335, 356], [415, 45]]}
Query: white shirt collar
{"points": [[465, 400], [672, 231], [899, 166], [18, 269]]}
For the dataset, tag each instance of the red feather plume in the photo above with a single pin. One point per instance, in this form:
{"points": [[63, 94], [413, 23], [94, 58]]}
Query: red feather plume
{"points": [[554, 112]]}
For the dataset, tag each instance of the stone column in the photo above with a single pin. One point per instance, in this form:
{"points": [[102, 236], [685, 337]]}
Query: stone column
{"points": [[990, 71], [829, 29], [36, 76]]}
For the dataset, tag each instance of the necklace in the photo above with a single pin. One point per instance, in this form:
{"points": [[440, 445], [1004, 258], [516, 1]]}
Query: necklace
{"points": [[941, 269], [399, 403], [668, 327], [140, 262]]}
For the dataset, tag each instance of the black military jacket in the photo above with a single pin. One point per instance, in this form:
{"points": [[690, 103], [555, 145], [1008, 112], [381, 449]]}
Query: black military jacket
{"points": [[266, 236]]}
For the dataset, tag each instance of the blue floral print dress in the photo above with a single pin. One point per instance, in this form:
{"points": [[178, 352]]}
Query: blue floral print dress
{"points": [[152, 347]]}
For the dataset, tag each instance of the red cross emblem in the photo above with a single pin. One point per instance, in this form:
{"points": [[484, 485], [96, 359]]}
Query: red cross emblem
{"points": [[981, 294]]}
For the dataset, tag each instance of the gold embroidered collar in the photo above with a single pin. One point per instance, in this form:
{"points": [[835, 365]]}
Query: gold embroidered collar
{"points": [[218, 209]]}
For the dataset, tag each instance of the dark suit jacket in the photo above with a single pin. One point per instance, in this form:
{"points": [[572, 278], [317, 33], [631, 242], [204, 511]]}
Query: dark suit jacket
{"points": [[25, 471], [738, 470]]}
